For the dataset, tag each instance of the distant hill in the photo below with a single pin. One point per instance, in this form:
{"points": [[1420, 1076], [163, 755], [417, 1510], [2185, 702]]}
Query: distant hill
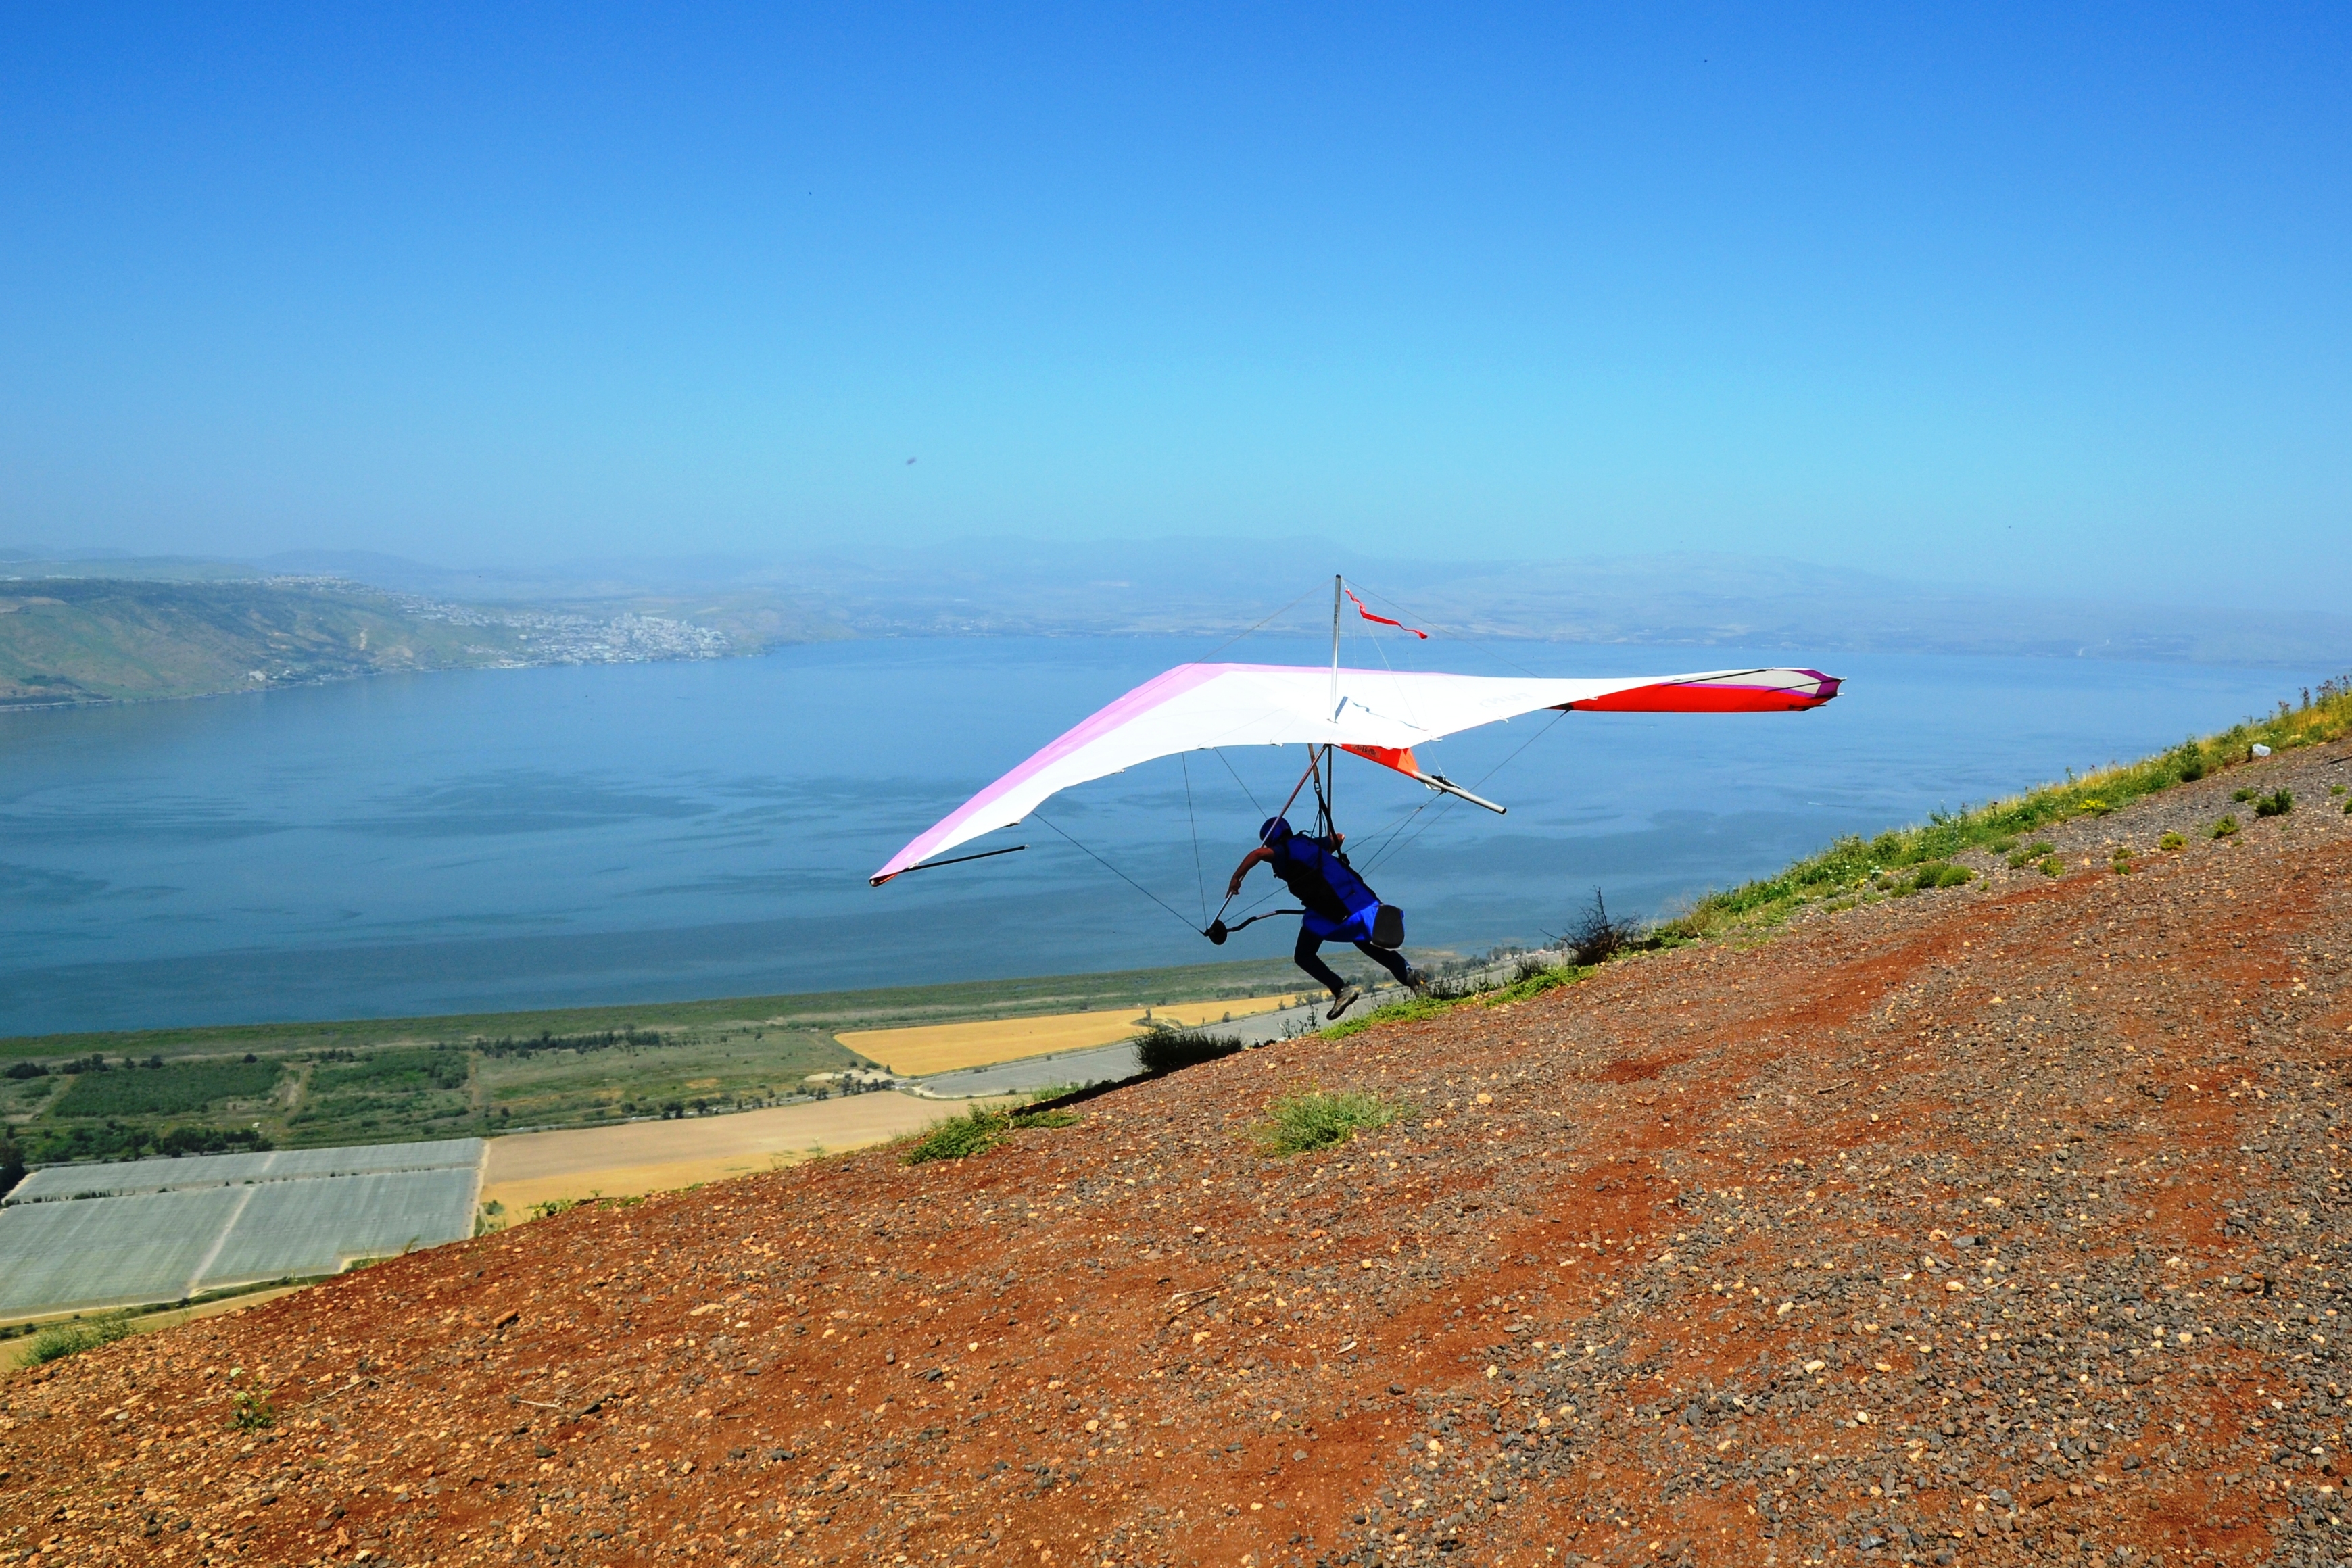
{"points": [[107, 639], [67, 640]]}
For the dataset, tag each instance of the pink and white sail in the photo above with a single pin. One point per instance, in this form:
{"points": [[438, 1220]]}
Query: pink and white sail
{"points": [[1378, 714]]}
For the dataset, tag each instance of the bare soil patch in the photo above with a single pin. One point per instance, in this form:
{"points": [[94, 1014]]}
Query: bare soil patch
{"points": [[2002, 1223]]}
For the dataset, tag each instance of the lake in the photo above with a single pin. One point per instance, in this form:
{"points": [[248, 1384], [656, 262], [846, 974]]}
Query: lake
{"points": [[553, 837]]}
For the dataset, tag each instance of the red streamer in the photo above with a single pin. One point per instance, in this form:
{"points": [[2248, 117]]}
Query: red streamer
{"points": [[1383, 619]]}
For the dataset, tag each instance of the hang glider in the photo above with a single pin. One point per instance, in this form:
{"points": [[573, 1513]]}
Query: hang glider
{"points": [[1378, 715]]}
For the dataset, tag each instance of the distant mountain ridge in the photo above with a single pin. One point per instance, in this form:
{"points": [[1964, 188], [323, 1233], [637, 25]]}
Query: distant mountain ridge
{"points": [[1218, 587], [66, 641]]}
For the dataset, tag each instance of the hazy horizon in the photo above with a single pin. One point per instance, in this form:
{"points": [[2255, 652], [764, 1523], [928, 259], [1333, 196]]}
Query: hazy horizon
{"points": [[2036, 303]]}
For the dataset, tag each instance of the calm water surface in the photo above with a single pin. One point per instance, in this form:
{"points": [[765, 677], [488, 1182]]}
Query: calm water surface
{"points": [[530, 838]]}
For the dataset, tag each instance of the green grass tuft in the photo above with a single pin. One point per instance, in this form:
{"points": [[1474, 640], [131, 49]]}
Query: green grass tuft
{"points": [[977, 1131], [1395, 1012], [2171, 842], [253, 1410], [1301, 1124], [2276, 804], [2225, 826], [59, 1341], [1534, 985], [1531, 982]]}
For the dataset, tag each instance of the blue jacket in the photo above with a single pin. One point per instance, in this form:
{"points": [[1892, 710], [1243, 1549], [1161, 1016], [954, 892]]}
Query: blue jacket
{"points": [[1336, 898]]}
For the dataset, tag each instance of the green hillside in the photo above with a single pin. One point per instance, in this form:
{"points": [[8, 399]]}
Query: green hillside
{"points": [[65, 640]]}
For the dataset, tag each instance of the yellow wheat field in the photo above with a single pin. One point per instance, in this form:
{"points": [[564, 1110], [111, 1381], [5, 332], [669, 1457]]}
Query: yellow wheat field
{"points": [[524, 1168], [945, 1047]]}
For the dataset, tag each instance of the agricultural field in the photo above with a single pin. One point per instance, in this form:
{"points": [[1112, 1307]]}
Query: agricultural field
{"points": [[263, 1086], [532, 1168], [170, 1090], [944, 1047]]}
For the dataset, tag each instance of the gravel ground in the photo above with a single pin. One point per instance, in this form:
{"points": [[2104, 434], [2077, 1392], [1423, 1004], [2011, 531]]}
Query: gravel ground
{"points": [[2003, 1224]]}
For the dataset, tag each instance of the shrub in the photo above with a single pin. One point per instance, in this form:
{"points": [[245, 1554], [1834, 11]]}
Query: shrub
{"points": [[977, 1131], [2093, 806], [210, 1141], [2122, 860], [2187, 761], [1938, 873], [627, 1037], [23, 1069], [59, 1341], [2242, 796], [2276, 804], [1165, 1050], [2225, 826], [2027, 856], [2170, 841], [1315, 1120], [1595, 938], [2053, 866]]}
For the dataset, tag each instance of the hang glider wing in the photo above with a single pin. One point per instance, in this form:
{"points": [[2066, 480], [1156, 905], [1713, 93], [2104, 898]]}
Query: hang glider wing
{"points": [[1195, 706]]}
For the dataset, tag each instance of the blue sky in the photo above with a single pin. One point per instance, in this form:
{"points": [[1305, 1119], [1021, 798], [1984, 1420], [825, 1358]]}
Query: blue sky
{"points": [[2045, 300]]}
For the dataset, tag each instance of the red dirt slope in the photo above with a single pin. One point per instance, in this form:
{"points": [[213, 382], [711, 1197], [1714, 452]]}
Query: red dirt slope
{"points": [[1990, 1224]]}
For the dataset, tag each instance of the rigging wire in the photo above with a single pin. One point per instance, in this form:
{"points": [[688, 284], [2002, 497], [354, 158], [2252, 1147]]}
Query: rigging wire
{"points": [[1411, 714], [1198, 875], [1449, 631], [1480, 784], [1122, 875], [1200, 879], [1255, 806], [1260, 626], [1378, 837]]}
